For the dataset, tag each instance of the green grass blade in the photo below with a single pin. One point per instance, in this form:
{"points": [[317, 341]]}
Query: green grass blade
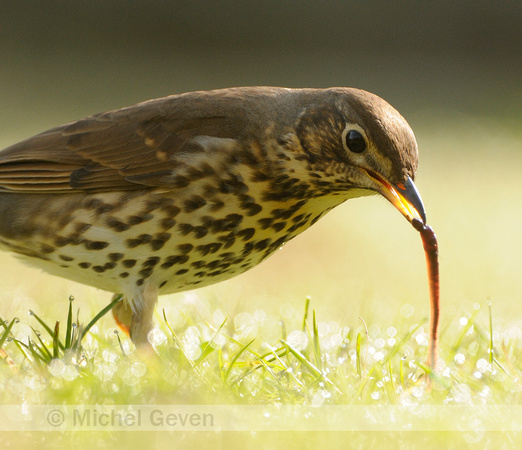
{"points": [[235, 358], [56, 341], [286, 368], [302, 359], [177, 341], [37, 354], [46, 328], [22, 347], [5, 334], [68, 330], [98, 316], [305, 317], [463, 333], [399, 345], [120, 343], [42, 347], [317, 346], [208, 348], [182, 349]]}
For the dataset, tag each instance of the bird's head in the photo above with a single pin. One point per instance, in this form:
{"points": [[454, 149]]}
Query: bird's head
{"points": [[355, 143]]}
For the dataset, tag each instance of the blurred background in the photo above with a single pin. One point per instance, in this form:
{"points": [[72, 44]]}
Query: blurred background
{"points": [[453, 69]]}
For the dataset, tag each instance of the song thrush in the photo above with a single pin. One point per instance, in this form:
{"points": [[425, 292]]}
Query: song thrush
{"points": [[188, 190]]}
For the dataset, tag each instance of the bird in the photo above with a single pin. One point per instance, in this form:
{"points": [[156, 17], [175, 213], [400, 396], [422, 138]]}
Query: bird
{"points": [[184, 191]]}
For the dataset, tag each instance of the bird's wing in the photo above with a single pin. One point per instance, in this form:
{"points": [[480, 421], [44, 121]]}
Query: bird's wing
{"points": [[147, 145]]}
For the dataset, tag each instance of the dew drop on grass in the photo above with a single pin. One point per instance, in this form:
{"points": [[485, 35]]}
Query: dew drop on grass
{"points": [[485, 391], [417, 392], [407, 310], [391, 332], [461, 393], [318, 398], [244, 324], [35, 382], [344, 331], [129, 379], [287, 311], [421, 339], [104, 371], [219, 317], [333, 327], [192, 343], [374, 330], [109, 356], [459, 358], [298, 339], [56, 367], [70, 372], [156, 337], [407, 351], [323, 329], [463, 321], [336, 340], [483, 366], [378, 356], [138, 369]]}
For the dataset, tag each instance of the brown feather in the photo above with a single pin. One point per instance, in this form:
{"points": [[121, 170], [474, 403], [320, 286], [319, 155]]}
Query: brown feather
{"points": [[131, 148]]}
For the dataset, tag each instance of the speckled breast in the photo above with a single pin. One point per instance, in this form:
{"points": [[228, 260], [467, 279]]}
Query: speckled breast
{"points": [[109, 240]]}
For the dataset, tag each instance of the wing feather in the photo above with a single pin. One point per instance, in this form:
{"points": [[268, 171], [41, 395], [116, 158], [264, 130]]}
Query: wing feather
{"points": [[131, 148]]}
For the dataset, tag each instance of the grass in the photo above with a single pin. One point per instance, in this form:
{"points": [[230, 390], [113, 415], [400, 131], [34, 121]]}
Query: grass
{"points": [[254, 359]]}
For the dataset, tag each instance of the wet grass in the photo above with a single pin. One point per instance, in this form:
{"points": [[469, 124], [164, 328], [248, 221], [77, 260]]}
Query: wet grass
{"points": [[256, 359]]}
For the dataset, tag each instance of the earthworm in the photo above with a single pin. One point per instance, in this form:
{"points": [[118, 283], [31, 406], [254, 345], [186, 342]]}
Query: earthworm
{"points": [[429, 241]]}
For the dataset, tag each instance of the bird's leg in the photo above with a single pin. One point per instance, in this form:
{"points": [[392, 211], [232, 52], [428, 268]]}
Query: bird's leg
{"points": [[136, 321], [142, 322], [122, 314]]}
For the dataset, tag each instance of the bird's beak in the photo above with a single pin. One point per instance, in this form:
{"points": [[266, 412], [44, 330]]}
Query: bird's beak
{"points": [[404, 196]]}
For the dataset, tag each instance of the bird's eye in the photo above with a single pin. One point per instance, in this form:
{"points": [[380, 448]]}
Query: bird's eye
{"points": [[355, 141]]}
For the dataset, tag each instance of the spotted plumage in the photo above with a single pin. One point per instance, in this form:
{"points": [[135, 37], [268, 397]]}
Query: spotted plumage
{"points": [[191, 189]]}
